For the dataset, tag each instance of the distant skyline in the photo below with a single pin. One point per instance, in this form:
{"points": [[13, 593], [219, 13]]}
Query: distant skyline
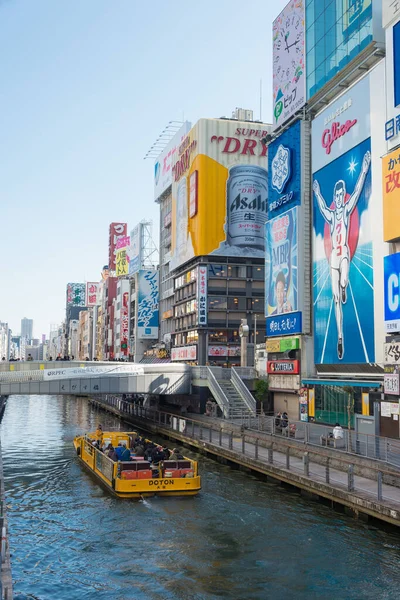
{"points": [[86, 88]]}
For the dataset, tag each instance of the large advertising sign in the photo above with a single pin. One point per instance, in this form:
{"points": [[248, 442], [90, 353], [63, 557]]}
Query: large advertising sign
{"points": [[76, 294], [391, 195], [281, 265], [92, 293], [147, 310], [184, 353], [116, 231], [342, 231], [135, 250], [391, 266], [392, 66], [289, 72], [121, 256], [222, 210], [164, 163], [284, 166]]}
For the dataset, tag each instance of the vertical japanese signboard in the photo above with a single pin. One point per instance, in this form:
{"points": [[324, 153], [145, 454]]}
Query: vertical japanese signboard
{"points": [[121, 256], [92, 293], [117, 230], [391, 195], [202, 295], [125, 324], [148, 300], [135, 251]]}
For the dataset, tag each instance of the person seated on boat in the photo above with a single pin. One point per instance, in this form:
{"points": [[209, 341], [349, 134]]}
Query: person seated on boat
{"points": [[111, 453], [176, 455], [148, 451], [167, 453], [157, 455], [138, 451], [119, 450], [125, 454]]}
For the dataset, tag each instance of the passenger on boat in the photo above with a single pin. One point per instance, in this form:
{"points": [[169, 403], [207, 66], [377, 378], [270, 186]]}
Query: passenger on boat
{"points": [[148, 451], [111, 453], [99, 434], [157, 455], [125, 454], [167, 453], [176, 455], [138, 451]]}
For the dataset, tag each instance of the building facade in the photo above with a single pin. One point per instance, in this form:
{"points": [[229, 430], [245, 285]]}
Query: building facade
{"points": [[27, 328]]}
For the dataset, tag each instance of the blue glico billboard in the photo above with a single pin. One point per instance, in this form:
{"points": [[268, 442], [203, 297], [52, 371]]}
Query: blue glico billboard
{"points": [[392, 292]]}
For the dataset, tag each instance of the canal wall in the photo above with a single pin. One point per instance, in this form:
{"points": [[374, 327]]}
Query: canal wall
{"points": [[362, 486], [5, 573]]}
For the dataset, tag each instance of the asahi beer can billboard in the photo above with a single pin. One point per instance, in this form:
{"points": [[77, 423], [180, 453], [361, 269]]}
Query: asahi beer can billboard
{"points": [[225, 214]]}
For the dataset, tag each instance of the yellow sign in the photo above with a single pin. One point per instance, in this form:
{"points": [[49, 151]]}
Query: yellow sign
{"points": [[219, 191], [273, 345], [391, 195], [121, 263]]}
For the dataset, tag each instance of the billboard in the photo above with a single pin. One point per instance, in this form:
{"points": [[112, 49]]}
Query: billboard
{"points": [[125, 324], [289, 73], [164, 163], [147, 305], [281, 264], [184, 353], [391, 266], [284, 166], [343, 282], [222, 209], [116, 231], [135, 250], [76, 294], [202, 308], [391, 195], [121, 256], [92, 294]]}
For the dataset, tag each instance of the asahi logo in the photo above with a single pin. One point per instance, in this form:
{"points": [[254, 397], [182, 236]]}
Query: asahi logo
{"points": [[243, 203]]}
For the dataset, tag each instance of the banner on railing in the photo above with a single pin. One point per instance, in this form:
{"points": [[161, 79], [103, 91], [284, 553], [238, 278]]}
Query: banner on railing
{"points": [[80, 372]]}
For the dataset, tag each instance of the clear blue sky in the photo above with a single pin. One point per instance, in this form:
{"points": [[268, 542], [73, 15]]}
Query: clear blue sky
{"points": [[86, 86]]}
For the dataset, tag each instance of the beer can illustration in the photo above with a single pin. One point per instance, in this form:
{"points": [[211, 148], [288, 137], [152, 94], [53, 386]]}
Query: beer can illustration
{"points": [[246, 206]]}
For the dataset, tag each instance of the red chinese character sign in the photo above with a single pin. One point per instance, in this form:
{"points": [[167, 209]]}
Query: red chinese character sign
{"points": [[92, 294]]}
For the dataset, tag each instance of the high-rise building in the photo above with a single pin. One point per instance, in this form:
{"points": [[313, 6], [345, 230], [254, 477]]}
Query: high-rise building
{"points": [[27, 328]]}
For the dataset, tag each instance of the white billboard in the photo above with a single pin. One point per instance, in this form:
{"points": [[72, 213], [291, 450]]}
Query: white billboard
{"points": [[135, 250], [289, 72], [163, 165]]}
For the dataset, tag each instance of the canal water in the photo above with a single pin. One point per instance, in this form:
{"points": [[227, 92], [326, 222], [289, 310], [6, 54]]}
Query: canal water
{"points": [[239, 539]]}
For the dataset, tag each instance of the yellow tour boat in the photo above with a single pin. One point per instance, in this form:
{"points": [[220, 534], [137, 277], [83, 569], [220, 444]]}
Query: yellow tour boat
{"points": [[137, 477]]}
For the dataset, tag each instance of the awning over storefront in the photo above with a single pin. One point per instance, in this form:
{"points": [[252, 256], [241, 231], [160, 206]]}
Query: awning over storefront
{"points": [[341, 383]]}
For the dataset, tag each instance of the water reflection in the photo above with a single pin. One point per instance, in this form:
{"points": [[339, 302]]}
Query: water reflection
{"points": [[240, 538]]}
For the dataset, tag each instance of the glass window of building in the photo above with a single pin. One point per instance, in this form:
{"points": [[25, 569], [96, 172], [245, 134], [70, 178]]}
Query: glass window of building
{"points": [[217, 270], [217, 303], [237, 303], [336, 31], [218, 336]]}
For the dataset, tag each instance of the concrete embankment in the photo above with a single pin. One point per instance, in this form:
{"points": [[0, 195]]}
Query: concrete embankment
{"points": [[5, 573], [364, 487]]}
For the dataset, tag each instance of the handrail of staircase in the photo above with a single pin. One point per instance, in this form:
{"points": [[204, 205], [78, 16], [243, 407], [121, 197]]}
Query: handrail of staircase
{"points": [[244, 392], [218, 393]]}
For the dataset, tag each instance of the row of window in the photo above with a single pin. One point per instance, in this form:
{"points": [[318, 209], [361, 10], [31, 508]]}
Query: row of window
{"points": [[236, 271], [236, 303], [187, 338], [185, 279], [185, 308]]}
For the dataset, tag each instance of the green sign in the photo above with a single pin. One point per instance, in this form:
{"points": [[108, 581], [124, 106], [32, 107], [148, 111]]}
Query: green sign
{"points": [[288, 344]]}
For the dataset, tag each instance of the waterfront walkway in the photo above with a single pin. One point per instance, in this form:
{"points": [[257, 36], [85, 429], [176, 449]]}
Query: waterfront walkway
{"points": [[363, 485]]}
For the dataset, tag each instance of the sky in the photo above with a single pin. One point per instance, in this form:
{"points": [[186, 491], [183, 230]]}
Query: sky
{"points": [[86, 87]]}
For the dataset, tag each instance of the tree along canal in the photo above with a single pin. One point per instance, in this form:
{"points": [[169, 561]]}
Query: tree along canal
{"points": [[240, 538]]}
